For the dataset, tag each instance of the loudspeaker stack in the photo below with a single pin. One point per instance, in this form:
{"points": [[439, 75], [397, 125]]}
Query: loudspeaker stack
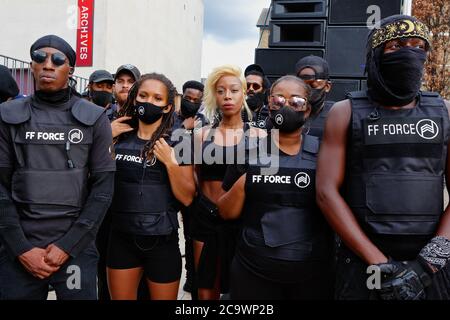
{"points": [[335, 30]]}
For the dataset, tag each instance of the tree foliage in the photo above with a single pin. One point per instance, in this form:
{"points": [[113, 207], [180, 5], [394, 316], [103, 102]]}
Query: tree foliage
{"points": [[436, 15]]}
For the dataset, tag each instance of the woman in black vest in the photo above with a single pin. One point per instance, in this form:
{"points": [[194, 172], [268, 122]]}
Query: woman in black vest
{"points": [[221, 144], [150, 186], [284, 251]]}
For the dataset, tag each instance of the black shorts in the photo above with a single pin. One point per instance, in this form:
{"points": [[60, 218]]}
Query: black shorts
{"points": [[158, 255]]}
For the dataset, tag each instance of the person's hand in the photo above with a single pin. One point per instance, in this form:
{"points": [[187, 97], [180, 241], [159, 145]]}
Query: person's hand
{"points": [[403, 280], [164, 153], [118, 126], [34, 262], [55, 257], [189, 123]]}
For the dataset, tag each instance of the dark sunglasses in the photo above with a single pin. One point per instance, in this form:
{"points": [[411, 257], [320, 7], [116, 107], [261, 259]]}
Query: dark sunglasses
{"points": [[278, 102], [311, 80], [39, 56], [254, 85]]}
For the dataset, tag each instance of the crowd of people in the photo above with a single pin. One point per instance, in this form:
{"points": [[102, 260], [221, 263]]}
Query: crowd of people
{"points": [[282, 194]]}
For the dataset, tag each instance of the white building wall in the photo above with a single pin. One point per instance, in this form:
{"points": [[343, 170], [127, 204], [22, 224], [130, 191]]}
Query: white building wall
{"points": [[156, 35]]}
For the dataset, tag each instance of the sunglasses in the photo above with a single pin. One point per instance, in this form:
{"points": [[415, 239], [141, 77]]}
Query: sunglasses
{"points": [[312, 81], [39, 56], [278, 102], [254, 86]]}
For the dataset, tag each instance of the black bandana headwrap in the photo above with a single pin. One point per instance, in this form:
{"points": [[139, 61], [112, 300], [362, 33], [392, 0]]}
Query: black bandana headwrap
{"points": [[394, 79]]}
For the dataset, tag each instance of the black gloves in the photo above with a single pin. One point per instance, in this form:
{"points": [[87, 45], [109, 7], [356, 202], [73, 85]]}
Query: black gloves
{"points": [[405, 280]]}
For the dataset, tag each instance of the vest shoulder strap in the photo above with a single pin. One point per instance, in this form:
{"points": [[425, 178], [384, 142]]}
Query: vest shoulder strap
{"points": [[430, 94], [86, 112], [311, 144], [359, 100], [326, 108], [431, 99], [16, 111], [353, 95]]}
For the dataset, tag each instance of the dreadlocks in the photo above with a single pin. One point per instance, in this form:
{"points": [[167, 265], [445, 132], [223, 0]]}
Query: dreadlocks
{"points": [[167, 119]]}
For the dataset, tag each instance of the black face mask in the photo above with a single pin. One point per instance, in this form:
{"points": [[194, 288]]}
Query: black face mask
{"points": [[256, 101], [397, 80], [287, 120], [317, 99], [188, 108], [148, 112], [101, 98]]}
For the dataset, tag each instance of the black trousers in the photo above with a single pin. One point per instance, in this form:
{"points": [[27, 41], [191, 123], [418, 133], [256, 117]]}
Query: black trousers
{"points": [[351, 280], [246, 285]]}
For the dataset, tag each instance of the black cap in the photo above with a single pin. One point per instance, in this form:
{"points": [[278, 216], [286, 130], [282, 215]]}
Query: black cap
{"points": [[254, 67], [319, 65], [8, 86], [259, 69], [192, 84], [129, 68], [100, 76], [58, 43]]}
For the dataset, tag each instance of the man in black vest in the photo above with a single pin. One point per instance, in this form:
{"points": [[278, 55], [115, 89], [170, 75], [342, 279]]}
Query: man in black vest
{"points": [[8, 86], [389, 148], [314, 72], [258, 86], [101, 88], [56, 182]]}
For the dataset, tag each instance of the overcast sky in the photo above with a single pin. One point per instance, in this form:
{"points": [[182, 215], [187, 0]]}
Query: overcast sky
{"points": [[230, 32]]}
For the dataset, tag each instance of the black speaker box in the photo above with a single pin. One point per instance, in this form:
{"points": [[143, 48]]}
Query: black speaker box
{"points": [[288, 33], [355, 11], [282, 61], [363, 84], [341, 87], [273, 78], [346, 51], [299, 9]]}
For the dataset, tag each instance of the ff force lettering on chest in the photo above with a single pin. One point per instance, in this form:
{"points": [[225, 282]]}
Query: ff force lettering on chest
{"points": [[392, 129], [271, 179], [46, 136], [425, 128]]}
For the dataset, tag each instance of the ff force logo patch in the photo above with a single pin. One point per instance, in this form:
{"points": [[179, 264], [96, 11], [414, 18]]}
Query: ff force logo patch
{"points": [[75, 136], [302, 180]]}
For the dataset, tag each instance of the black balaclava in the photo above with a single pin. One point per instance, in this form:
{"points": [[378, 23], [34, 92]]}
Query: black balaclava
{"points": [[321, 70], [8, 86], [394, 79]]}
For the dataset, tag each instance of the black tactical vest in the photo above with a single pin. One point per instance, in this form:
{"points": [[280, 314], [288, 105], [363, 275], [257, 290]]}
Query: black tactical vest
{"points": [[281, 218], [316, 125], [396, 165], [52, 147], [261, 118], [143, 201]]}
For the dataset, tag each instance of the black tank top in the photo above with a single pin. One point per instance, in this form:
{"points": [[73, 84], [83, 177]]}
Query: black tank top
{"points": [[216, 158]]}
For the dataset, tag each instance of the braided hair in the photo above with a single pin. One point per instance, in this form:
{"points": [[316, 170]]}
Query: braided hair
{"points": [[167, 119]]}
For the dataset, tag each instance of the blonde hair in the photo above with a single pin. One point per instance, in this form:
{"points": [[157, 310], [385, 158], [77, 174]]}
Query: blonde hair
{"points": [[209, 98]]}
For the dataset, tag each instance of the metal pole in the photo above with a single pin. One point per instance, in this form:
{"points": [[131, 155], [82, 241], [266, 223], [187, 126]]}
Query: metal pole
{"points": [[407, 7]]}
